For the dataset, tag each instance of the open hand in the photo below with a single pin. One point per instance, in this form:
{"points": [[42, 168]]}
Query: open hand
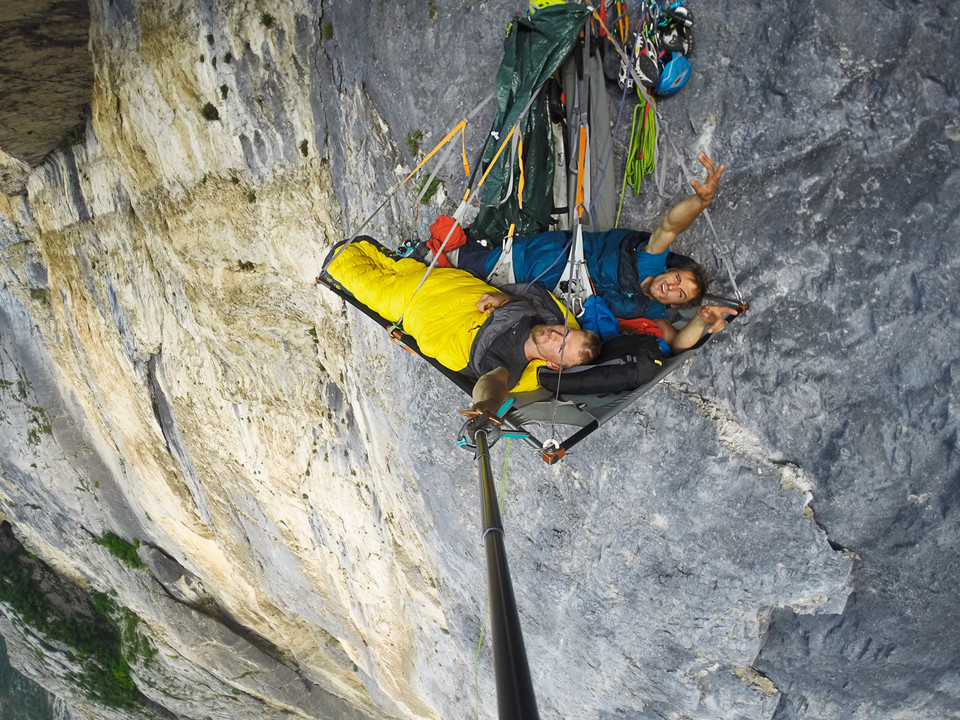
{"points": [[708, 188]]}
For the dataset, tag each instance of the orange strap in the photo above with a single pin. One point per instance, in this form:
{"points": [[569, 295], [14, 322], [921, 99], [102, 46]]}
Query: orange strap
{"points": [[581, 162], [461, 127], [495, 158], [520, 162]]}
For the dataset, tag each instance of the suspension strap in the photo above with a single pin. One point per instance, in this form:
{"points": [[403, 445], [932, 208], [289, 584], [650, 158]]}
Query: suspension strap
{"points": [[513, 137], [458, 220], [502, 273], [581, 170], [517, 140]]}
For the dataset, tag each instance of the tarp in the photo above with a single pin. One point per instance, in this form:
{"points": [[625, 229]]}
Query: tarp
{"points": [[535, 49]]}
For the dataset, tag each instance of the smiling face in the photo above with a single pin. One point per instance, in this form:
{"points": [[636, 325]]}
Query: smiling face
{"points": [[674, 287]]}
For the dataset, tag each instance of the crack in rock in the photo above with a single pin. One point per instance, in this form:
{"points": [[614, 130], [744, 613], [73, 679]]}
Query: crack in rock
{"points": [[747, 445]]}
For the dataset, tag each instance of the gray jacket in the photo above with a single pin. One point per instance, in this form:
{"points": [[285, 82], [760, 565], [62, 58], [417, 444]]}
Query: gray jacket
{"points": [[528, 300]]}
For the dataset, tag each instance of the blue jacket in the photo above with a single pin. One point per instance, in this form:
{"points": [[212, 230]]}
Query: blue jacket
{"points": [[616, 265]]}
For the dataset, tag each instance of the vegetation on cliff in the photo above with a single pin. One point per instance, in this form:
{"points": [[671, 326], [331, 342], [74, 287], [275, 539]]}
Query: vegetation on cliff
{"points": [[94, 629]]}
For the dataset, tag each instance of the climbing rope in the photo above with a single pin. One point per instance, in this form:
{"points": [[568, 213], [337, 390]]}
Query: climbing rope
{"points": [[641, 155], [662, 130], [721, 250]]}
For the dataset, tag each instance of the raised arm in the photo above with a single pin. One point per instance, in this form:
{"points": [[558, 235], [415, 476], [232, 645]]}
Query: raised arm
{"points": [[682, 215]]}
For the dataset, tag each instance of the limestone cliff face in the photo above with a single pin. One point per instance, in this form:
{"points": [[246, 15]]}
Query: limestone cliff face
{"points": [[170, 373], [166, 266]]}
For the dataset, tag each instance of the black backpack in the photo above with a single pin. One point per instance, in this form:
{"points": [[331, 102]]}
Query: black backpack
{"points": [[626, 362]]}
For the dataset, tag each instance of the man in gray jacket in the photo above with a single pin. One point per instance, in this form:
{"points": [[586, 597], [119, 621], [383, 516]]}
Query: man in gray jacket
{"points": [[517, 333]]}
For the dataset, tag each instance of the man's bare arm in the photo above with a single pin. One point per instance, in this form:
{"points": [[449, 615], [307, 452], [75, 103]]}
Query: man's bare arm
{"points": [[682, 215], [491, 391], [710, 318]]}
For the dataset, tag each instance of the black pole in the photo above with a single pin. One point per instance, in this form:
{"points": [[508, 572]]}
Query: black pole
{"points": [[515, 697]]}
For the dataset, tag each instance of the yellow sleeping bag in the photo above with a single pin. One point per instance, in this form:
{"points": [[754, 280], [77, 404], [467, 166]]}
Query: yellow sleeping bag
{"points": [[442, 315]]}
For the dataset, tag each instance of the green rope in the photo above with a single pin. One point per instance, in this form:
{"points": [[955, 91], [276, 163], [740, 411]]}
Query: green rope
{"points": [[486, 607], [640, 156]]}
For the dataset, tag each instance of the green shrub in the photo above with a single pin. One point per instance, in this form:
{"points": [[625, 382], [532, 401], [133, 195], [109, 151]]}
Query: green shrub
{"points": [[431, 191], [413, 142], [120, 548], [210, 112]]}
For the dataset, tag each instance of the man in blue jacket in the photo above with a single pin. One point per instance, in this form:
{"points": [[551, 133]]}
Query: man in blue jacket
{"points": [[632, 271]]}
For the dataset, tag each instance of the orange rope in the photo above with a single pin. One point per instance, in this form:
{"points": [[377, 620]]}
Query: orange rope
{"points": [[394, 332]]}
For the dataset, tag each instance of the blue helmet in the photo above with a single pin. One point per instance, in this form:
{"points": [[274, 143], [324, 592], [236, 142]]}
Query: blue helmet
{"points": [[674, 75]]}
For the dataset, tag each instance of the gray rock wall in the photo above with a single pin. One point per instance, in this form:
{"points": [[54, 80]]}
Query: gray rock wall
{"points": [[852, 213], [768, 534]]}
